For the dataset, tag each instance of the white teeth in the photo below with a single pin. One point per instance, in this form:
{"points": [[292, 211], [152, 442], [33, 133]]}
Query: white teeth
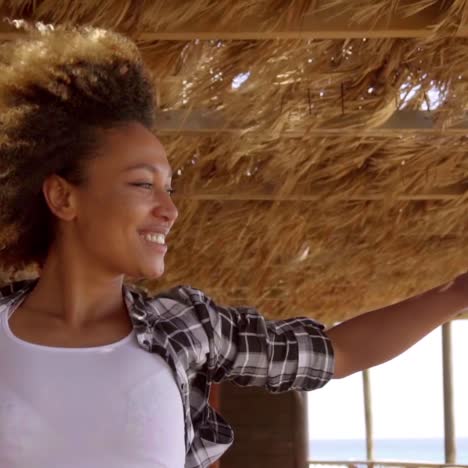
{"points": [[157, 238]]}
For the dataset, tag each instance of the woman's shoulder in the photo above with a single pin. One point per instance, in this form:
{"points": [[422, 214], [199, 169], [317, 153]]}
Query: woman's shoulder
{"points": [[170, 298], [182, 293], [177, 299]]}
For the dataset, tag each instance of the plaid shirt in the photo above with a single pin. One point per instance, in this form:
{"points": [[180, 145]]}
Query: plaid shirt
{"points": [[203, 342]]}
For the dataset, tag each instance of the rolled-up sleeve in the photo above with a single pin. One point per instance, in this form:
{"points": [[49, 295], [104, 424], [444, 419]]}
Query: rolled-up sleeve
{"points": [[248, 349]]}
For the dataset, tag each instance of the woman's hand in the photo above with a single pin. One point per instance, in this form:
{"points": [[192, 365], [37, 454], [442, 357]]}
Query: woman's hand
{"points": [[458, 285], [380, 335]]}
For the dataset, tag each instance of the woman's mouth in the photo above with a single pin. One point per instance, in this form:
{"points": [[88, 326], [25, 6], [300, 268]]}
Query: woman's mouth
{"points": [[155, 241], [157, 238]]}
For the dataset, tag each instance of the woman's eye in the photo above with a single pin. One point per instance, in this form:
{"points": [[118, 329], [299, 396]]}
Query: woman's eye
{"points": [[148, 185], [144, 184]]}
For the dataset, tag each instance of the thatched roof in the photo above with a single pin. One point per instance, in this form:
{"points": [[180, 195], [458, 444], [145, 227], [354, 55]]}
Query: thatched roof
{"points": [[320, 147]]}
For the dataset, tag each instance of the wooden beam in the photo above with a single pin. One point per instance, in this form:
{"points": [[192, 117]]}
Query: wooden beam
{"points": [[401, 123], [326, 24], [319, 23], [189, 122], [390, 464], [450, 194]]}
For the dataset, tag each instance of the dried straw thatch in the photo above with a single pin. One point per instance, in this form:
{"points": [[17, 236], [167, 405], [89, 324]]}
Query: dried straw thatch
{"points": [[319, 146]]}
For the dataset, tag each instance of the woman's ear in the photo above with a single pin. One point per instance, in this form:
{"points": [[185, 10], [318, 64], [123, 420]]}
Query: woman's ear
{"points": [[60, 197]]}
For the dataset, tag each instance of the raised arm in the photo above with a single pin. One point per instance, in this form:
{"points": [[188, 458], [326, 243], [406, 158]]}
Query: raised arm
{"points": [[378, 336]]}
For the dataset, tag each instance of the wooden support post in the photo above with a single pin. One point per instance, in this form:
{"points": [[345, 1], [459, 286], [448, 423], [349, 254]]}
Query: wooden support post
{"points": [[301, 433], [215, 402], [368, 414], [449, 425]]}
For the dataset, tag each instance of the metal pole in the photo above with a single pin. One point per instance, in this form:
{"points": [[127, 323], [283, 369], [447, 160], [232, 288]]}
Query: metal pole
{"points": [[368, 414], [449, 425]]}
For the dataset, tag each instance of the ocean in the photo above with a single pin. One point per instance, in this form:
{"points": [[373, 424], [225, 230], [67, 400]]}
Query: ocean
{"points": [[427, 450]]}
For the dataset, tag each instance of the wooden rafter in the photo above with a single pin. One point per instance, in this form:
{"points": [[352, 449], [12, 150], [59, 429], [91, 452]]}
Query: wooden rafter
{"points": [[328, 23], [452, 194], [400, 123]]}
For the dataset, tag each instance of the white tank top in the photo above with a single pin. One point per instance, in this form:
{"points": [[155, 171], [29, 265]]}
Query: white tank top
{"points": [[113, 406]]}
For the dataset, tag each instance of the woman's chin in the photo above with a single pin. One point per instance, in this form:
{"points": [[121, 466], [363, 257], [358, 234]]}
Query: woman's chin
{"points": [[153, 271], [147, 270]]}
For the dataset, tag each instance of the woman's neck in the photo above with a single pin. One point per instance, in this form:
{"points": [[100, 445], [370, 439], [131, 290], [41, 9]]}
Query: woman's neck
{"points": [[74, 294]]}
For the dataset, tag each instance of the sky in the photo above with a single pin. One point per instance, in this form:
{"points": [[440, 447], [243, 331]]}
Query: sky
{"points": [[407, 395]]}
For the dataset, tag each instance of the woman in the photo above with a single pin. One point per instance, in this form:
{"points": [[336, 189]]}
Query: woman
{"points": [[86, 196]]}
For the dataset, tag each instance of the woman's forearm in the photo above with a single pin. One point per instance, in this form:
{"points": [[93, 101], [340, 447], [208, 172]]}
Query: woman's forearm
{"points": [[378, 336]]}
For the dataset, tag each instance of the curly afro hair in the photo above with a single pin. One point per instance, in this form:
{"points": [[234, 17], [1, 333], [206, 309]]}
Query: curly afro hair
{"points": [[59, 87]]}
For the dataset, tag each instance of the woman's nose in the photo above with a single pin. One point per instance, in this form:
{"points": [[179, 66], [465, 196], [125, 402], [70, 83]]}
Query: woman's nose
{"points": [[167, 209]]}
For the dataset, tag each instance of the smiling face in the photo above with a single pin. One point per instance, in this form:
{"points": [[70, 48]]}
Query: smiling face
{"points": [[118, 219]]}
